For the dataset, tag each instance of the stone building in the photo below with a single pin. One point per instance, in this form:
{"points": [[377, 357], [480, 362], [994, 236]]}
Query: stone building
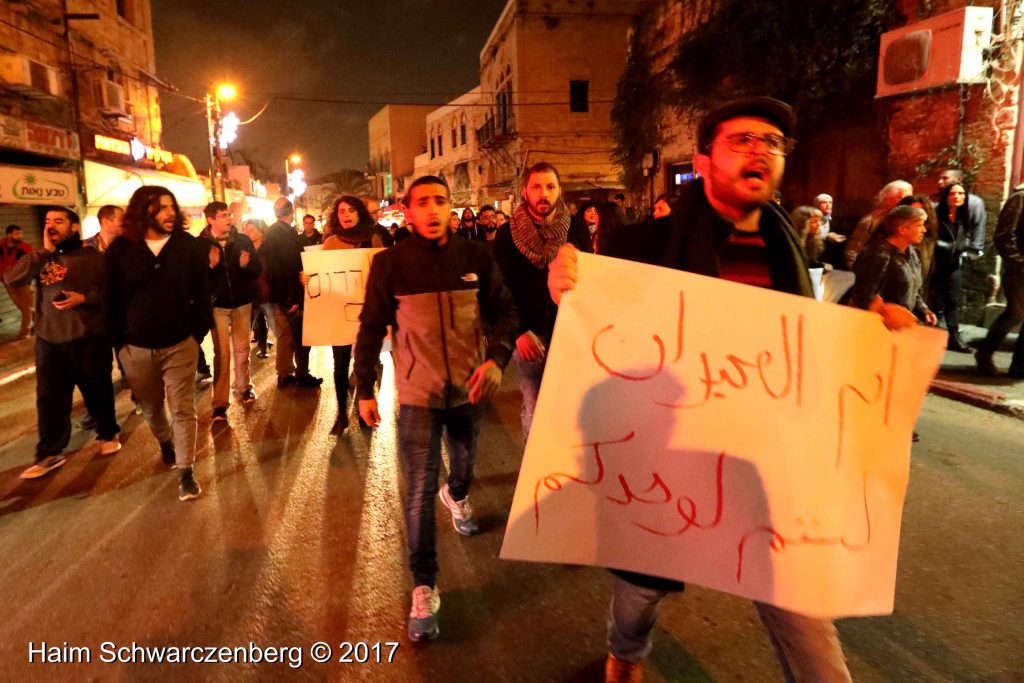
{"points": [[549, 72], [397, 135], [452, 151]]}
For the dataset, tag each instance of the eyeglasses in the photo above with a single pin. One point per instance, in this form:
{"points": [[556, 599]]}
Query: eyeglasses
{"points": [[749, 143]]}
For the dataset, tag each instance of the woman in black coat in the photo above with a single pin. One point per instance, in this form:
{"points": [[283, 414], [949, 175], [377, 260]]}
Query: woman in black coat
{"points": [[952, 243]]}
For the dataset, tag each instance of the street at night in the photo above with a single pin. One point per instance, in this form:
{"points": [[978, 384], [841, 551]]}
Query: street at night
{"points": [[512, 340], [298, 539]]}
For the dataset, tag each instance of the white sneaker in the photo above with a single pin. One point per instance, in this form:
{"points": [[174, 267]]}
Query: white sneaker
{"points": [[110, 446], [462, 514]]}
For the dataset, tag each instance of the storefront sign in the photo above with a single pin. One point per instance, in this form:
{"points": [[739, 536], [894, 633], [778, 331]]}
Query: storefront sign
{"points": [[19, 185], [133, 148], [38, 138]]}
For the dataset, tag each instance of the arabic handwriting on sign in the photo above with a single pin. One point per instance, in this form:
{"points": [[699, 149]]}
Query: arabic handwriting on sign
{"points": [[736, 373], [690, 517], [777, 542], [552, 482], [882, 384]]}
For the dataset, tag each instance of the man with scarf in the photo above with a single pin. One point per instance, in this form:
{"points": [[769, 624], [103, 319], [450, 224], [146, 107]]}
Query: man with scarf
{"points": [[523, 248], [71, 347], [725, 225]]}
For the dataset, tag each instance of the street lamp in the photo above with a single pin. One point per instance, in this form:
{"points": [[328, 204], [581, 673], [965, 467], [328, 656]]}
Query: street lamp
{"points": [[214, 126], [294, 177]]}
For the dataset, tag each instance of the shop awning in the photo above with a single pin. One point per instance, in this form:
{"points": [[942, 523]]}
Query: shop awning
{"points": [[106, 184]]}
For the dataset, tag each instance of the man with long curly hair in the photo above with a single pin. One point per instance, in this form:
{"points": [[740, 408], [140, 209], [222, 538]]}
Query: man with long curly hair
{"points": [[158, 293]]}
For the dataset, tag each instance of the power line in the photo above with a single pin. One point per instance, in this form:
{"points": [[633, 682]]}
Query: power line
{"points": [[87, 61], [489, 105]]}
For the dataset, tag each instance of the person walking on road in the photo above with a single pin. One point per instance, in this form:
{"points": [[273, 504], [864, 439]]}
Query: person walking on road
{"points": [[71, 344], [439, 292], [158, 296]]}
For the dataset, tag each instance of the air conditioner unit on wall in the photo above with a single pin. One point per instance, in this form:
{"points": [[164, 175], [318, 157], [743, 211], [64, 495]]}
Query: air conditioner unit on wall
{"points": [[109, 97], [945, 50], [22, 73]]}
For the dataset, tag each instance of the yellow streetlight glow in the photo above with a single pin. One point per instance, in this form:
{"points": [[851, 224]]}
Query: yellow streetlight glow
{"points": [[295, 158], [226, 92]]}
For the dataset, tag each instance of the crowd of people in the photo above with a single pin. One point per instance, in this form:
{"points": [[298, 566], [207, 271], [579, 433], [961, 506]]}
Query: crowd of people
{"points": [[464, 295]]}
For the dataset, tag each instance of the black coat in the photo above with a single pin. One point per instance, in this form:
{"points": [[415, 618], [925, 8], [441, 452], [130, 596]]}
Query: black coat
{"points": [[231, 285], [282, 261], [157, 301]]}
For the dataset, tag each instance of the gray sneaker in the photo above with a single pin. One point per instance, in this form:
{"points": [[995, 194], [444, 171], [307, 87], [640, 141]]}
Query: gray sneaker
{"points": [[462, 513], [423, 615]]}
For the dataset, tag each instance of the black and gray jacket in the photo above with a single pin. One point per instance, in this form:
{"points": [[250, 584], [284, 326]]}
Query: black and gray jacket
{"points": [[231, 285], [442, 301]]}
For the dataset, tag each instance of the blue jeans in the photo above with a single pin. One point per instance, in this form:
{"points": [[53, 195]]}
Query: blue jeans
{"points": [[530, 373], [419, 447], [807, 648]]}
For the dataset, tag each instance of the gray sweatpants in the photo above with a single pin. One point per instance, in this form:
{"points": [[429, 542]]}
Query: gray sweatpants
{"points": [[171, 371]]}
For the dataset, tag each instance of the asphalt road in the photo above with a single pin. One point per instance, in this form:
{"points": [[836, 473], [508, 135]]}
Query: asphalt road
{"points": [[298, 539]]}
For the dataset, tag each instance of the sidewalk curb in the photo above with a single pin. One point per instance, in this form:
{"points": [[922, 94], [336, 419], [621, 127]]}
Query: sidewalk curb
{"points": [[981, 398]]}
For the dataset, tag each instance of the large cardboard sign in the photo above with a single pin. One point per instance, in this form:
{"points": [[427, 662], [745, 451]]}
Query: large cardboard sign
{"points": [[742, 439], [334, 295]]}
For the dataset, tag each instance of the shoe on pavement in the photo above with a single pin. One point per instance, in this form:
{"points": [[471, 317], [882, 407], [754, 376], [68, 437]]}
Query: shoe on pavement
{"points": [[262, 354], [955, 343], [87, 422], [308, 381], [285, 381], [986, 366], [167, 453], [248, 396], [110, 446], [620, 671], [203, 374], [188, 489], [462, 513], [43, 467], [220, 414], [423, 615]]}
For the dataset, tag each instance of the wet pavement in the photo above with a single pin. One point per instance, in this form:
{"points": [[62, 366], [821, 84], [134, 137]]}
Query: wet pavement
{"points": [[298, 539]]}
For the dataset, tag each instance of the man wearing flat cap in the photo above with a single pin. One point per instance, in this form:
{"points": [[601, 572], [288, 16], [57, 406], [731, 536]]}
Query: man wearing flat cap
{"points": [[724, 225]]}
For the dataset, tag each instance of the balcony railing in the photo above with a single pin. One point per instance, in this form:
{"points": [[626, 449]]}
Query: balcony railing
{"points": [[496, 131]]}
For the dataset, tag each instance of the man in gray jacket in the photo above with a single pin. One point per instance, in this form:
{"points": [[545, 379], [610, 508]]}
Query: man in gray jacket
{"points": [[71, 347]]}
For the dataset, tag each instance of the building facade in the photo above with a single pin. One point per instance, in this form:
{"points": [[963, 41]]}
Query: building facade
{"points": [[548, 73], [397, 135], [452, 151]]}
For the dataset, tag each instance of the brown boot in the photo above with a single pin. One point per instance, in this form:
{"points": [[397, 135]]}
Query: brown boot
{"points": [[620, 671]]}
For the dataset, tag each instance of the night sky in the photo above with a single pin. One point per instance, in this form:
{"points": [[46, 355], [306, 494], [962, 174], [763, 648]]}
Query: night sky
{"points": [[365, 50]]}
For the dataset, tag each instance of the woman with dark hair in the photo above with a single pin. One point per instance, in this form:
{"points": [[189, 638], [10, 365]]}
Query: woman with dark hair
{"points": [[587, 219], [926, 249], [454, 222], [610, 217], [807, 221], [352, 226], [952, 243]]}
